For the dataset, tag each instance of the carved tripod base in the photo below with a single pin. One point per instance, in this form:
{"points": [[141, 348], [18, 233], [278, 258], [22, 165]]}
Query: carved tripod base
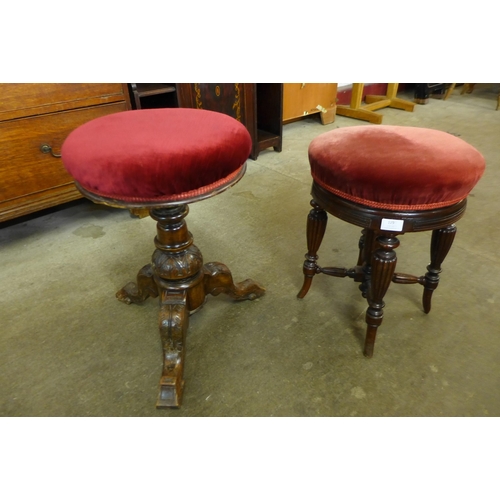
{"points": [[178, 277], [375, 269]]}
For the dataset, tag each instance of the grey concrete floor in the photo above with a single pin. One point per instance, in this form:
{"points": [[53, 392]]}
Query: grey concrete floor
{"points": [[69, 348]]}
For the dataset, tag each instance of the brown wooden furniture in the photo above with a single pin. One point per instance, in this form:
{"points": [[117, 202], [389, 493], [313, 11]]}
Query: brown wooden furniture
{"points": [[163, 160], [376, 265], [259, 106], [183, 282], [35, 119], [423, 91], [373, 102], [388, 181], [467, 89], [303, 99], [153, 95]]}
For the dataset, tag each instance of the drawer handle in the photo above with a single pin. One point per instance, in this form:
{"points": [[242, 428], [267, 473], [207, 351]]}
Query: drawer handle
{"points": [[46, 149]]}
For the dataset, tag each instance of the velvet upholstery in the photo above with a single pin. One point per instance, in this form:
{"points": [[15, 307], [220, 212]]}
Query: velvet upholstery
{"points": [[155, 155], [394, 167]]}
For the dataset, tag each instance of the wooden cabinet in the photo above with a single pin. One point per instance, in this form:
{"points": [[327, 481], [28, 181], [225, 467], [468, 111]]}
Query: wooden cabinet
{"points": [[303, 99], [259, 106], [153, 95], [35, 119]]}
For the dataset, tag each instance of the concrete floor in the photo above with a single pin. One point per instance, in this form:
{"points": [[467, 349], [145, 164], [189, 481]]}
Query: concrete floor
{"points": [[69, 348]]}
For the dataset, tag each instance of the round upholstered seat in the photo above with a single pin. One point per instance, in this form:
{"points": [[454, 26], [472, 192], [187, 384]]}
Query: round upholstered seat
{"points": [[157, 156], [389, 180], [394, 167], [162, 160]]}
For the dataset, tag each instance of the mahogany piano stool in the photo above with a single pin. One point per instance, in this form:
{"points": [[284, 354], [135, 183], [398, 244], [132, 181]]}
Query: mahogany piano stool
{"points": [[388, 180], [162, 160]]}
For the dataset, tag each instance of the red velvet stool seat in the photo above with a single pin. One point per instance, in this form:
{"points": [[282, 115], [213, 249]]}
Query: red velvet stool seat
{"points": [[164, 159], [388, 180]]}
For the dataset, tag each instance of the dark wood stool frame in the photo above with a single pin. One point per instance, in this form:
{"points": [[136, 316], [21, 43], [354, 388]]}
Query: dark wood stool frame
{"points": [[376, 265], [182, 282]]}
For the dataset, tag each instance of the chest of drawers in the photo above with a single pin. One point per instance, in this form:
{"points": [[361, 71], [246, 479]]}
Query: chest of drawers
{"points": [[35, 119]]}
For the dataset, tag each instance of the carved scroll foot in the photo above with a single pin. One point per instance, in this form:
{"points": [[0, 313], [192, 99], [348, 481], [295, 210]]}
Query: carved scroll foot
{"points": [[218, 279], [174, 321], [145, 287]]}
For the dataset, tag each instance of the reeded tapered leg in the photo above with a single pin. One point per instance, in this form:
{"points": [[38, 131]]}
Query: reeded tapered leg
{"points": [[382, 269], [369, 244], [361, 246], [316, 226], [441, 242]]}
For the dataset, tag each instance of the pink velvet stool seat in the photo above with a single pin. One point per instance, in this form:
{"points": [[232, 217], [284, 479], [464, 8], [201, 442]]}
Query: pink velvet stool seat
{"points": [[388, 180], [162, 160]]}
